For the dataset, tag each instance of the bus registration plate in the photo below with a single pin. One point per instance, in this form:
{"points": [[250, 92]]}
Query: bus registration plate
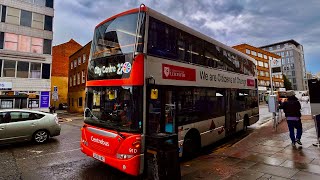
{"points": [[100, 158]]}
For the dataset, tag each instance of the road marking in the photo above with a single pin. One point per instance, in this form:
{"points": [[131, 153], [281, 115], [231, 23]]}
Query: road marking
{"points": [[50, 154]]}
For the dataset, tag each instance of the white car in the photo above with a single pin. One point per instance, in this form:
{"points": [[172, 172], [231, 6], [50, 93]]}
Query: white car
{"points": [[25, 125]]}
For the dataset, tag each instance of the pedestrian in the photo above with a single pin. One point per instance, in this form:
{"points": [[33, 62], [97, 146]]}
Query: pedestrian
{"points": [[292, 112]]}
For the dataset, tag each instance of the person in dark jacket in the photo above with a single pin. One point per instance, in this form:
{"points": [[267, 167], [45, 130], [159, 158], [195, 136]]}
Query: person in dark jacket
{"points": [[292, 109]]}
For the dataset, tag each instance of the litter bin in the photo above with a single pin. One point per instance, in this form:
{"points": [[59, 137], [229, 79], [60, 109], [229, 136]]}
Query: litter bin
{"points": [[162, 156]]}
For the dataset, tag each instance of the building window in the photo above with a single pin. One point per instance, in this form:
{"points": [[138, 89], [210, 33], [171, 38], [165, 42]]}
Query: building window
{"points": [[270, 48], [40, 2], [293, 73], [292, 66], [3, 14], [261, 73], [9, 68], [11, 41], [47, 45], [24, 44], [267, 74], [247, 51], [260, 63], [270, 58], [282, 54], [260, 55], [26, 18], [1, 40], [80, 101], [48, 23], [294, 87], [35, 70], [74, 80], [283, 61], [22, 69], [294, 80], [265, 56], [292, 59], [71, 65], [287, 53], [37, 21], [266, 65], [291, 53], [79, 60], [36, 45], [70, 83], [84, 58], [278, 46], [254, 53], [49, 3], [75, 63], [13, 15], [78, 78], [83, 77], [46, 71]]}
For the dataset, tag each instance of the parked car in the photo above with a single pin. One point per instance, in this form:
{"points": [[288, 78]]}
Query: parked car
{"points": [[18, 125], [63, 106]]}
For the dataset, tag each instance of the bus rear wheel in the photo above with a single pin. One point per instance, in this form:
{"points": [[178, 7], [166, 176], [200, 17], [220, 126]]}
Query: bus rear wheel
{"points": [[191, 147]]}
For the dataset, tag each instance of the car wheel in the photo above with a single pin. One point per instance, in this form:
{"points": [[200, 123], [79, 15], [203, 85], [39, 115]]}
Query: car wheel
{"points": [[40, 136]]}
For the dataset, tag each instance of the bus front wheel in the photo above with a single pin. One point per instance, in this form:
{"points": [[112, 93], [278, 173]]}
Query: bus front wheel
{"points": [[191, 145]]}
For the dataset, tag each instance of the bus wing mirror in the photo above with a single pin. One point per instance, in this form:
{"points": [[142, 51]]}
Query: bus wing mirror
{"points": [[154, 94]]}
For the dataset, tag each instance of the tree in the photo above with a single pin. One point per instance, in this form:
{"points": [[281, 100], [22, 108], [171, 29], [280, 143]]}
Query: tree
{"points": [[287, 83]]}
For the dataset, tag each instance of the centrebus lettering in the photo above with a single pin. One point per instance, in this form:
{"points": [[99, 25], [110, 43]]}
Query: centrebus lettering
{"points": [[119, 69], [99, 141]]}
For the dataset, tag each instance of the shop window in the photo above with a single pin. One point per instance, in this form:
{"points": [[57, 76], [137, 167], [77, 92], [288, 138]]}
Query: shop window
{"points": [[35, 70], [22, 69], [9, 68], [46, 71], [6, 104], [34, 102]]}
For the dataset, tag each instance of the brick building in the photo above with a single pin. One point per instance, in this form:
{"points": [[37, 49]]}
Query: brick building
{"points": [[263, 59], [78, 64], [25, 53], [60, 69]]}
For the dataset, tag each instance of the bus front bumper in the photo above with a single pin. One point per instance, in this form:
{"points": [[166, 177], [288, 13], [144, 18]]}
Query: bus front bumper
{"points": [[129, 166]]}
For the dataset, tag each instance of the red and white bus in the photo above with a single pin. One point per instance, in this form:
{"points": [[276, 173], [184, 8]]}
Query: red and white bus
{"points": [[147, 74]]}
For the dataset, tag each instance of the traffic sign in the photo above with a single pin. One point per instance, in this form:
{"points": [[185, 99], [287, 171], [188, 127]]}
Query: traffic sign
{"points": [[55, 96]]}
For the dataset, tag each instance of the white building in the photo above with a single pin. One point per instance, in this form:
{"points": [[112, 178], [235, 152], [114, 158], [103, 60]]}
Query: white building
{"points": [[293, 63], [25, 53]]}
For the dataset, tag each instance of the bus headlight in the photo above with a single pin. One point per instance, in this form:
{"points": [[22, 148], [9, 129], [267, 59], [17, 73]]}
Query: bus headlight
{"points": [[124, 156]]}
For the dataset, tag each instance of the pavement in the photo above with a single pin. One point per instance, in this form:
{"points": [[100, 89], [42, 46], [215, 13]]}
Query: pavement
{"points": [[265, 153]]}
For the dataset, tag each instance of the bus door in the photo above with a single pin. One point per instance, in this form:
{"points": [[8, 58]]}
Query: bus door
{"points": [[231, 118], [161, 110]]}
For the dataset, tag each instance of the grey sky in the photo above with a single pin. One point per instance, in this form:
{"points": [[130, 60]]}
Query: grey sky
{"points": [[255, 22]]}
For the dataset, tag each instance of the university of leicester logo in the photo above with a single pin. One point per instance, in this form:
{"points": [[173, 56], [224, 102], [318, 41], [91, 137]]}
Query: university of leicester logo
{"points": [[166, 71]]}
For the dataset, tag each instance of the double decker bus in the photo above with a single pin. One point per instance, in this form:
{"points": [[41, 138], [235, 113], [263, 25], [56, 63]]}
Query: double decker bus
{"points": [[149, 74]]}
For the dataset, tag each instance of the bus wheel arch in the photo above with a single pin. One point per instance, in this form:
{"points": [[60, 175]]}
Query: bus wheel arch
{"points": [[191, 144]]}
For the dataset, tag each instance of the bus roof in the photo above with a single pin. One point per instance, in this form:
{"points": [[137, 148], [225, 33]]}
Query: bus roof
{"points": [[180, 26]]}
